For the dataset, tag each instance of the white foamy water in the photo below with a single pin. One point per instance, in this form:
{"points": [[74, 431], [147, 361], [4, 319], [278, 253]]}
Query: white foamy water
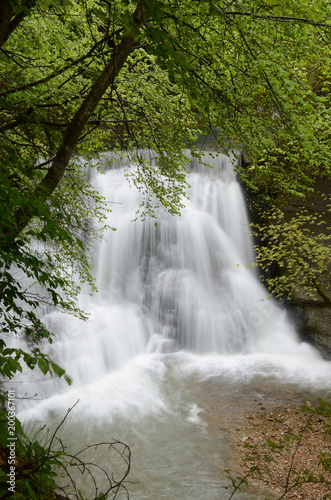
{"points": [[177, 308]]}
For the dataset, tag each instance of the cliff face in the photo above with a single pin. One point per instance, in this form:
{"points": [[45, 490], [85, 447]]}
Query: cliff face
{"points": [[316, 313], [318, 321], [312, 316]]}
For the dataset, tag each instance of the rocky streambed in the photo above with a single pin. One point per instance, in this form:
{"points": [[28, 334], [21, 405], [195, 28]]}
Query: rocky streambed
{"points": [[271, 440]]}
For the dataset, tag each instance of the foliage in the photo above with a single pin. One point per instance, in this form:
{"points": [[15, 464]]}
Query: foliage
{"points": [[42, 267], [157, 119], [300, 247], [295, 149], [41, 458]]}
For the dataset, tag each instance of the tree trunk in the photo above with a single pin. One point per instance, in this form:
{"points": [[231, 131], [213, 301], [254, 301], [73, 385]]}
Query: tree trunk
{"points": [[73, 132], [6, 12]]}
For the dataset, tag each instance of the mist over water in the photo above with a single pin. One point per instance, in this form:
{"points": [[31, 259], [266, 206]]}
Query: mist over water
{"points": [[177, 307]]}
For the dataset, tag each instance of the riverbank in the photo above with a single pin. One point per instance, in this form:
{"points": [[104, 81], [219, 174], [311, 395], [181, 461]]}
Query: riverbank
{"points": [[251, 417]]}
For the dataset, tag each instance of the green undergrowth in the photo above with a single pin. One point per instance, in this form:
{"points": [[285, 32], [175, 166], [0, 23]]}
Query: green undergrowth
{"points": [[33, 467]]}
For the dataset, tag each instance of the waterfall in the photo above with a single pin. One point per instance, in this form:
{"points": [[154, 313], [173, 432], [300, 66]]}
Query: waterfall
{"points": [[178, 306], [188, 280]]}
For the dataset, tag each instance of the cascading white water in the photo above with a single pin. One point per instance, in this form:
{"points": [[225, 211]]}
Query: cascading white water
{"points": [[177, 306]]}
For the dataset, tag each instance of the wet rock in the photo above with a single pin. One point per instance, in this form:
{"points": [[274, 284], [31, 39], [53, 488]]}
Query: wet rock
{"points": [[318, 321]]}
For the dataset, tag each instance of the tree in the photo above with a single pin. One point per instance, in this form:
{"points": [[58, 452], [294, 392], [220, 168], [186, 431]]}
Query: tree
{"points": [[301, 248]]}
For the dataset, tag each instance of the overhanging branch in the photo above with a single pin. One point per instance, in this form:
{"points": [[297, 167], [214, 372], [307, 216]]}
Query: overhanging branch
{"points": [[44, 190], [280, 19]]}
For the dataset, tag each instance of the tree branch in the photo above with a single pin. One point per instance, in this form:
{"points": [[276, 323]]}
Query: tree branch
{"points": [[52, 75], [8, 23], [322, 293], [23, 215], [281, 19], [6, 12]]}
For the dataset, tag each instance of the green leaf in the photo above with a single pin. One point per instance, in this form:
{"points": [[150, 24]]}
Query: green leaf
{"points": [[57, 369], [43, 365]]}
